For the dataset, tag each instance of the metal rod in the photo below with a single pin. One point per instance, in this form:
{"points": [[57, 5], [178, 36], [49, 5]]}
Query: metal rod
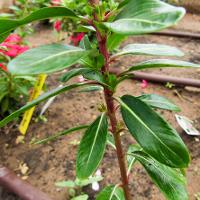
{"points": [[174, 33], [157, 78], [21, 188]]}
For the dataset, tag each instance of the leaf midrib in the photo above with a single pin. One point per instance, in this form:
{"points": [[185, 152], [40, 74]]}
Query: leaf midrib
{"points": [[158, 169], [54, 56], [95, 138], [126, 107]]}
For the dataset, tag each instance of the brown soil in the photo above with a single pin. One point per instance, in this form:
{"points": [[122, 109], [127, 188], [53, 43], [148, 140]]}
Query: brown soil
{"points": [[56, 161]]}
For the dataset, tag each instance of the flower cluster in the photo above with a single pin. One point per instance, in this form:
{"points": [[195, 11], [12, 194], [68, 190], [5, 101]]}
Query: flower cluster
{"points": [[12, 47]]}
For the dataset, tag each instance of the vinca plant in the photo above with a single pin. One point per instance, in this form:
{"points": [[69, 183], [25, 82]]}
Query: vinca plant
{"points": [[159, 149]]}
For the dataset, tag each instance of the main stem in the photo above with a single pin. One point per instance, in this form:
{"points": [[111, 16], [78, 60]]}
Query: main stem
{"points": [[102, 40]]}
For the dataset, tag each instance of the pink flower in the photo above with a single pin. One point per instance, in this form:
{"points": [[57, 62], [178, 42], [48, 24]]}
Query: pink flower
{"points": [[3, 67], [56, 2], [13, 38], [144, 84], [76, 39], [57, 25]]}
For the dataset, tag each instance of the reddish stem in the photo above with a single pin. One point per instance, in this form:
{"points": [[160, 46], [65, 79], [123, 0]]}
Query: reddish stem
{"points": [[111, 111], [102, 40]]}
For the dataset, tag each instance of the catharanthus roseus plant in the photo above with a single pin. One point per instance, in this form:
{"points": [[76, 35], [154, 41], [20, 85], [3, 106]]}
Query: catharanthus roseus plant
{"points": [[159, 149], [14, 90]]}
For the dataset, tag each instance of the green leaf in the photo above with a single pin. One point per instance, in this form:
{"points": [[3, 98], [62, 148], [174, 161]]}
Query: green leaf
{"points": [[147, 16], [69, 184], [7, 25], [92, 147], [130, 159], [96, 76], [111, 193], [157, 101], [56, 136], [40, 99], [91, 88], [3, 36], [161, 63], [114, 40], [46, 59], [85, 43], [153, 133], [170, 181], [149, 50], [72, 73], [81, 197]]}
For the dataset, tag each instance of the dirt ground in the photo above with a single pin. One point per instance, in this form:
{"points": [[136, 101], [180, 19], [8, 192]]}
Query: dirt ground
{"points": [[56, 161]]}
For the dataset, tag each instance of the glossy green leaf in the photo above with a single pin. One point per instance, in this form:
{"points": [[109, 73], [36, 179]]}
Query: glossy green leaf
{"points": [[7, 25], [46, 59], [153, 133], [170, 181], [157, 101], [92, 147], [111, 193], [149, 50], [162, 63], [114, 40], [40, 99], [146, 16], [60, 134]]}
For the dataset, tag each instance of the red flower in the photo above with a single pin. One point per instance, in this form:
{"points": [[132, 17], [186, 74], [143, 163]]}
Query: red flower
{"points": [[57, 25], [13, 38], [144, 84], [3, 67], [14, 49], [76, 39]]}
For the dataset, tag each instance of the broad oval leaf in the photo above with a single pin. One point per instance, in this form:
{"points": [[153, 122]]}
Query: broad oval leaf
{"points": [[170, 181], [7, 25], [157, 101], [40, 99], [162, 63], [92, 147], [153, 133], [146, 16], [46, 59], [150, 50], [111, 193]]}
